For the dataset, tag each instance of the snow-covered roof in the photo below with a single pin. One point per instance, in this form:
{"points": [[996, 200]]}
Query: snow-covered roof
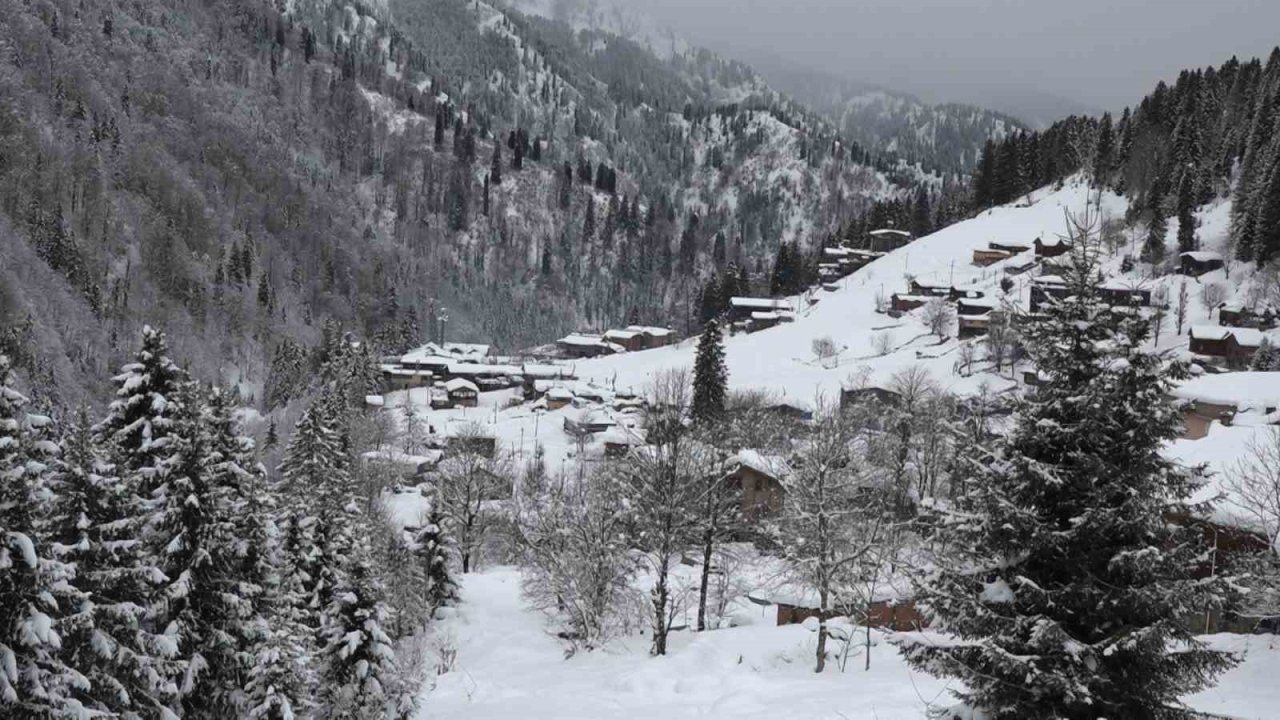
{"points": [[774, 466], [889, 231], [415, 460], [764, 316], [622, 334], [445, 351], [761, 303], [836, 252], [650, 330], [374, 400], [1209, 332], [1251, 337], [1238, 389], [1049, 280], [1123, 284], [458, 384], [578, 339], [620, 435], [560, 393], [1201, 255]]}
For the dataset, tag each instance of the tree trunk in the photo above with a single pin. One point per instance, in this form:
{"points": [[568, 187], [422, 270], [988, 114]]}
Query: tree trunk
{"points": [[822, 631], [660, 611], [708, 543]]}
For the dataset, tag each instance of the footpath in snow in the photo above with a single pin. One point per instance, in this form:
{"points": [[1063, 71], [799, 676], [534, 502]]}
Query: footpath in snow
{"points": [[509, 667]]}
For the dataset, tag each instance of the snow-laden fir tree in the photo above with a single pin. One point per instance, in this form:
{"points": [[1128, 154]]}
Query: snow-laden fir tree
{"points": [[710, 377], [34, 680], [435, 552], [356, 651], [139, 436], [1069, 579]]}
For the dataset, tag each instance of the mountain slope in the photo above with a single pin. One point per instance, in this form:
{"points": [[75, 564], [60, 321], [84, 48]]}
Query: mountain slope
{"points": [[241, 176]]}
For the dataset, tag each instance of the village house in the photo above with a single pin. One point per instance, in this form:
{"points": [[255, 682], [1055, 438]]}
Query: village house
{"points": [[741, 308], [1222, 397], [558, 397], [1234, 314], [1052, 247], [1121, 292], [619, 441], [579, 345], [629, 340], [850, 397], [1011, 248], [590, 421], [982, 257], [395, 377], [653, 336], [907, 303], [887, 239], [919, 287], [462, 393], [1047, 288], [1199, 262], [1233, 346], [1015, 269], [974, 316], [759, 478]]}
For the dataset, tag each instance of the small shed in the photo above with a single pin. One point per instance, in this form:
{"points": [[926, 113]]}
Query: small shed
{"points": [[1199, 262], [462, 393], [619, 441], [588, 422], [653, 336], [741, 308], [1235, 314]]}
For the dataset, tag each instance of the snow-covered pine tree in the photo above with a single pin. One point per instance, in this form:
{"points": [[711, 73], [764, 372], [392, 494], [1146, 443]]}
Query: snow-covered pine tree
{"points": [[1068, 584], [138, 437], [435, 552], [710, 377], [1266, 357], [34, 680], [357, 652]]}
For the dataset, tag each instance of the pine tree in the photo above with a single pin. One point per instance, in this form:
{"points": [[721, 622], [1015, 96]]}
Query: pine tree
{"points": [[984, 177], [357, 653], [495, 168], [1068, 589], [435, 552], [1266, 358], [1153, 249], [34, 681], [1266, 240], [710, 377], [1186, 214]]}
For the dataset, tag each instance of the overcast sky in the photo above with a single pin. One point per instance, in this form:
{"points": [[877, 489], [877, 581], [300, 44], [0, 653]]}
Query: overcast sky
{"points": [[1102, 53]]}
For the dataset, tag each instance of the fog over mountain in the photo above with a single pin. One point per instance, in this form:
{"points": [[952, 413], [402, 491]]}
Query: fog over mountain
{"points": [[1035, 60]]}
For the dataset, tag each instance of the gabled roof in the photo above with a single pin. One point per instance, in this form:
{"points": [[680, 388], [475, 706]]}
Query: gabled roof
{"points": [[1201, 255], [775, 466], [1210, 332], [458, 384], [650, 330], [1238, 389]]}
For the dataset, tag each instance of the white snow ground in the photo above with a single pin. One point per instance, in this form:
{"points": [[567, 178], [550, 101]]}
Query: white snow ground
{"points": [[508, 666]]}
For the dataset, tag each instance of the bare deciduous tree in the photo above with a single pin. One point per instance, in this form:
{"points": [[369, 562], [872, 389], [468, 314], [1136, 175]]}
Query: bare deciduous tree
{"points": [[939, 316], [469, 481], [824, 349]]}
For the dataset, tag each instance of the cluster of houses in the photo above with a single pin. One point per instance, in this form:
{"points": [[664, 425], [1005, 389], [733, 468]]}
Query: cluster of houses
{"points": [[974, 310], [1233, 347], [458, 372], [632, 338], [840, 262]]}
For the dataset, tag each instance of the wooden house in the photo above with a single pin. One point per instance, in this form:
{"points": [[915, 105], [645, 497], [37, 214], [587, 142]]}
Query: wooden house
{"points": [[1047, 288], [1237, 315], [930, 289], [899, 616], [982, 257], [1220, 397], [1199, 262], [974, 316], [1119, 292], [588, 422], [907, 303], [619, 441], [850, 397], [887, 239], [558, 397], [579, 345], [629, 340], [1232, 346], [395, 377], [961, 292], [760, 480], [462, 393], [654, 336], [741, 308], [1052, 247]]}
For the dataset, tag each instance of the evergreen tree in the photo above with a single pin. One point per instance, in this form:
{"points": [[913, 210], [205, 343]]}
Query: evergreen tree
{"points": [[34, 681], [1186, 214], [435, 552], [1069, 587], [1104, 151], [1266, 358], [589, 222], [357, 653], [1153, 249], [1266, 241], [984, 177], [783, 278], [710, 376], [495, 168]]}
